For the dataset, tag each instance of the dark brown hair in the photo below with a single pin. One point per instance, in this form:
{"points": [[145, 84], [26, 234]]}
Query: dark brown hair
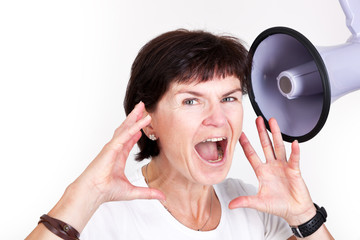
{"points": [[181, 56]]}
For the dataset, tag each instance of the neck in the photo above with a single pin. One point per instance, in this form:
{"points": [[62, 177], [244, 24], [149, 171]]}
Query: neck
{"points": [[175, 185], [194, 205]]}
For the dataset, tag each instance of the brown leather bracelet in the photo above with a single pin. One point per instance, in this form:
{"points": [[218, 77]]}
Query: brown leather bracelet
{"points": [[59, 228]]}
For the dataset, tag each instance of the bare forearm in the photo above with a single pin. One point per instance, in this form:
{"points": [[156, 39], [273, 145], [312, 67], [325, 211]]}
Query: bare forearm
{"points": [[75, 207]]}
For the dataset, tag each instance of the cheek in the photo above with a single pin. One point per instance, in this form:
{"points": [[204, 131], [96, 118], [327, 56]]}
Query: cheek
{"points": [[236, 121], [175, 130]]}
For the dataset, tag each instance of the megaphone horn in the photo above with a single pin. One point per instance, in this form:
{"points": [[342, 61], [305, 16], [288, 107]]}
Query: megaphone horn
{"points": [[296, 82]]}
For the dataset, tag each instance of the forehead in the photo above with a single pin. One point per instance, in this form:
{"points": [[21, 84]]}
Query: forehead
{"points": [[212, 85]]}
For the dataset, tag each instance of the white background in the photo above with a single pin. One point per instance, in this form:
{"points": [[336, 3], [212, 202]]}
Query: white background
{"points": [[64, 66]]}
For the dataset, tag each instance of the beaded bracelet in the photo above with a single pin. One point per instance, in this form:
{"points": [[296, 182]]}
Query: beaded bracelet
{"points": [[59, 228]]}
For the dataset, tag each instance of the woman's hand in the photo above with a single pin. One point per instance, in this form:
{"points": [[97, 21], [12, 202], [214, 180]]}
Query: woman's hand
{"points": [[282, 190], [103, 180], [106, 174]]}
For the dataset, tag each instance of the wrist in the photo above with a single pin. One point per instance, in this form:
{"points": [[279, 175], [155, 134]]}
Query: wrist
{"points": [[76, 206], [83, 191], [312, 225], [303, 217]]}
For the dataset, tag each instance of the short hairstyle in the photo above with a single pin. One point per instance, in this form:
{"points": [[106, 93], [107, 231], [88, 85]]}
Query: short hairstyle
{"points": [[181, 56]]}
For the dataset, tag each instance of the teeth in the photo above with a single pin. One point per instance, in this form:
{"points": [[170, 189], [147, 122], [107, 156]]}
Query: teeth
{"points": [[215, 139], [219, 149]]}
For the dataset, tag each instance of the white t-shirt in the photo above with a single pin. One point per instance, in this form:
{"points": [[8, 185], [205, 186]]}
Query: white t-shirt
{"points": [[148, 219]]}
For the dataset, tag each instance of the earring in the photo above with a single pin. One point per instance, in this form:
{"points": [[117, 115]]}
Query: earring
{"points": [[152, 137]]}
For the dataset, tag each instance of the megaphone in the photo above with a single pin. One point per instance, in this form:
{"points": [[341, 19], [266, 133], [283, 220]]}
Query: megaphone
{"points": [[296, 82]]}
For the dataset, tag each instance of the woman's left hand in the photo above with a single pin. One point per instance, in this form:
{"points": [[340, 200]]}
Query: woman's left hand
{"points": [[282, 190]]}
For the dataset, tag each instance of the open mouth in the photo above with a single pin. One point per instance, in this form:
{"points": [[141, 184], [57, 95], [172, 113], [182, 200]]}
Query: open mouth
{"points": [[212, 150]]}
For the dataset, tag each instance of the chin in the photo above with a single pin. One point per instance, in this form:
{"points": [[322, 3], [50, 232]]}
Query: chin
{"points": [[213, 180]]}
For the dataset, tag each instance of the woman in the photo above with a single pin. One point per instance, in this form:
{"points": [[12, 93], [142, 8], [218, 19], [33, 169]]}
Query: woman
{"points": [[184, 107]]}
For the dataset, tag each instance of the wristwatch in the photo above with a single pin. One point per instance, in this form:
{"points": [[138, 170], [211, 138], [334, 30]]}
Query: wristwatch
{"points": [[312, 225]]}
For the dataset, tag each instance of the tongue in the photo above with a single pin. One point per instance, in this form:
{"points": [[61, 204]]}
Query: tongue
{"points": [[207, 150]]}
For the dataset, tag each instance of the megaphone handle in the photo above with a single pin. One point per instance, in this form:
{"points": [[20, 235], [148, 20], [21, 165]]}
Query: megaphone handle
{"points": [[351, 9]]}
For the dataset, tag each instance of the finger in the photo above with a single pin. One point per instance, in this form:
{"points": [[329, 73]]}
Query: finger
{"points": [[264, 139], [138, 110], [249, 152], [134, 116], [125, 151], [294, 160], [129, 133], [247, 202], [147, 193], [279, 147]]}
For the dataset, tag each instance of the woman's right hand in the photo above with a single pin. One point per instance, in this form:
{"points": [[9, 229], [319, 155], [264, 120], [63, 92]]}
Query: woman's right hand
{"points": [[103, 180], [106, 174]]}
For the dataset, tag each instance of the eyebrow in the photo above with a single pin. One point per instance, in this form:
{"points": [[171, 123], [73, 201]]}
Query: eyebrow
{"points": [[198, 94], [233, 91]]}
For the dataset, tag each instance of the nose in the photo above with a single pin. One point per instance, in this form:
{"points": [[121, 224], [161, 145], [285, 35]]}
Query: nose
{"points": [[215, 116]]}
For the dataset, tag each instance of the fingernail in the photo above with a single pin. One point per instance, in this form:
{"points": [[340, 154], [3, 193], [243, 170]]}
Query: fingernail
{"points": [[138, 104]]}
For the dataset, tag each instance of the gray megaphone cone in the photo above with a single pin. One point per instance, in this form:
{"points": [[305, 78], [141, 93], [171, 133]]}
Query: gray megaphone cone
{"points": [[296, 82]]}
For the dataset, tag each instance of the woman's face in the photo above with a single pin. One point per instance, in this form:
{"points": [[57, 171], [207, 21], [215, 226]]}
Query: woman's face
{"points": [[198, 126]]}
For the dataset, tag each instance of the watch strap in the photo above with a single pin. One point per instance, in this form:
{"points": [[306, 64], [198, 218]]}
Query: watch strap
{"points": [[311, 226]]}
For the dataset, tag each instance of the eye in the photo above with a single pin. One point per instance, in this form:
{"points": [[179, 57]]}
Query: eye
{"points": [[191, 101], [228, 99]]}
